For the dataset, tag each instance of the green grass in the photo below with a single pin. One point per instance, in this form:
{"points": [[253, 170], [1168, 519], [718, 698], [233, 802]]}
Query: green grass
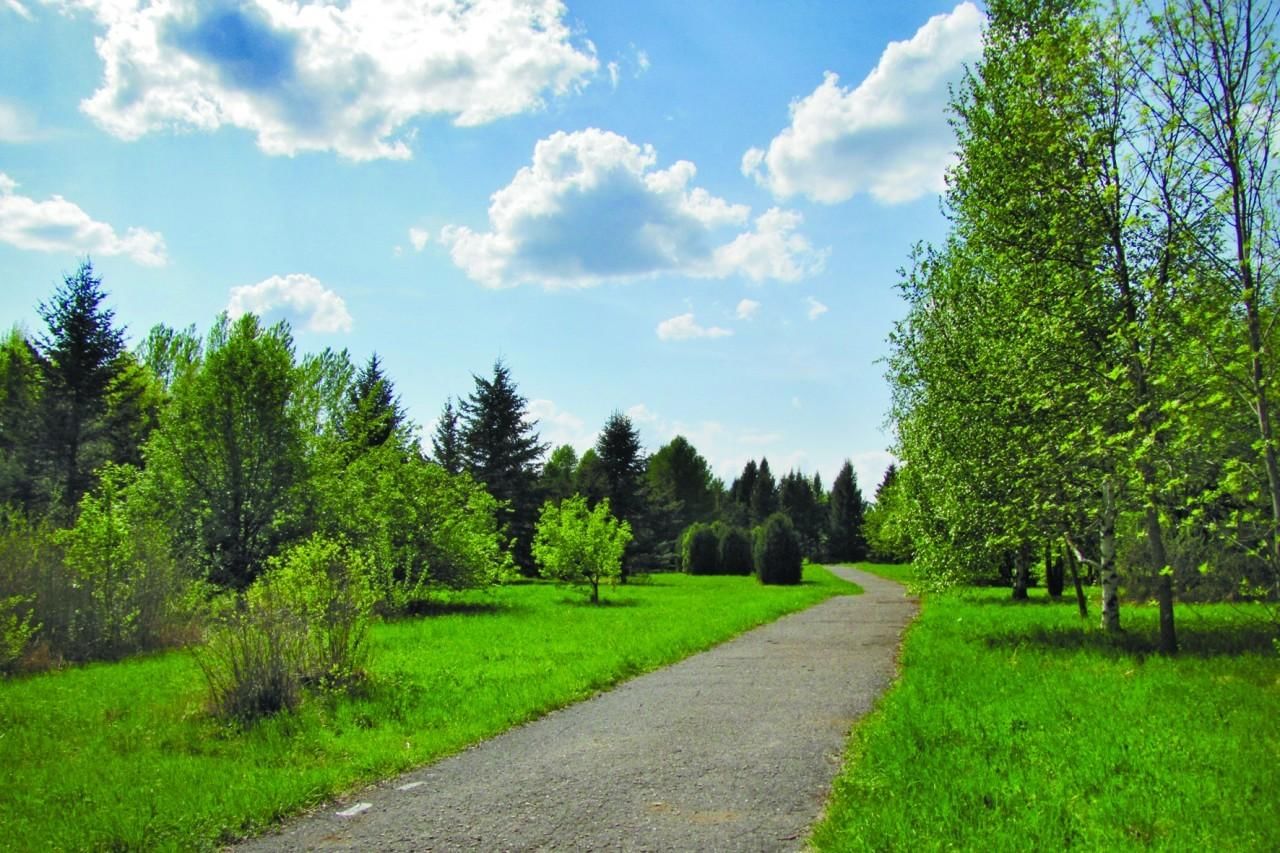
{"points": [[1017, 727], [124, 756], [903, 573]]}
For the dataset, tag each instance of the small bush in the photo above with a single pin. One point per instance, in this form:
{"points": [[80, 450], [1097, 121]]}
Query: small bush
{"points": [[735, 552], [16, 629], [253, 663], [777, 551], [700, 550]]}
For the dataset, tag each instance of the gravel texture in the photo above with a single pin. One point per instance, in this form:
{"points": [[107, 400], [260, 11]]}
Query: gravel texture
{"points": [[731, 749]]}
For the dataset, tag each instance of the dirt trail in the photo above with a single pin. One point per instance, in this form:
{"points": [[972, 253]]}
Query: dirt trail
{"points": [[731, 749]]}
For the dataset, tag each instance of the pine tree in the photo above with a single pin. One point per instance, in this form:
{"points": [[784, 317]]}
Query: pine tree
{"points": [[763, 497], [81, 356], [845, 542], [678, 473], [501, 450], [373, 411], [446, 443], [623, 463]]}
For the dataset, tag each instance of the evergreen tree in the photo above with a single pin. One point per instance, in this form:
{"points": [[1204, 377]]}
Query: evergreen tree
{"points": [[19, 421], [677, 472], [446, 443], [797, 500], [501, 450], [622, 460], [845, 542], [763, 497], [81, 357], [590, 480], [373, 411], [740, 491]]}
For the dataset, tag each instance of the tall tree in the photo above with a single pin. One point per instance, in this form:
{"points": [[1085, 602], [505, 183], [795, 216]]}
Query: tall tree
{"points": [[500, 449], [797, 499], [373, 413], [677, 472], [590, 480], [763, 498], [446, 442], [19, 421], [229, 456], [81, 354], [845, 542], [557, 480], [622, 459]]}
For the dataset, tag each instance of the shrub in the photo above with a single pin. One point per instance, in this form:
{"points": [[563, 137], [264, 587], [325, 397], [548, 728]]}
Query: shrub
{"points": [[700, 550], [253, 663], [579, 546], [777, 551], [735, 552], [16, 629]]}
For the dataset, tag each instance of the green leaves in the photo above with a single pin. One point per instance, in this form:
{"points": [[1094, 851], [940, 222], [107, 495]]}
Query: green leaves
{"points": [[577, 545]]}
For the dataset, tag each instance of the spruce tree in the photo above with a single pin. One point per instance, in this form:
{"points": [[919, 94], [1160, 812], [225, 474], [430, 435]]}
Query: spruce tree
{"points": [[373, 411], [622, 460], [763, 497], [81, 357], [501, 450], [446, 442], [678, 473], [845, 541]]}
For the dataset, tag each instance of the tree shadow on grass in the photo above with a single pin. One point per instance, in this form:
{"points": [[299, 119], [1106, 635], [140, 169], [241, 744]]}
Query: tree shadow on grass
{"points": [[1205, 640], [603, 603], [420, 609]]}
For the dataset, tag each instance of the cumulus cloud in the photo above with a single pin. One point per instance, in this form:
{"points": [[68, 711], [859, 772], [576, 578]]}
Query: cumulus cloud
{"points": [[557, 426], [302, 299], [594, 207], [683, 327], [747, 309], [321, 76], [418, 237], [816, 308], [889, 135], [58, 225]]}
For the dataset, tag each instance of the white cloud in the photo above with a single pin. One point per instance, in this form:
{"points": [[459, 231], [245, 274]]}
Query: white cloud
{"points": [[557, 426], [816, 308], [642, 62], [593, 207], [641, 414], [418, 237], [888, 136], [747, 309], [322, 76], [683, 327], [615, 72], [58, 225], [18, 9], [302, 297]]}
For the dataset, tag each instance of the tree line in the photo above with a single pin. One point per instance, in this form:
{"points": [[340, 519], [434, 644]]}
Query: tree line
{"points": [[1086, 372], [137, 486]]}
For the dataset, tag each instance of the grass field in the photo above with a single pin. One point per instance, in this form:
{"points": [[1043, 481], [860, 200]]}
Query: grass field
{"points": [[1017, 727], [123, 755]]}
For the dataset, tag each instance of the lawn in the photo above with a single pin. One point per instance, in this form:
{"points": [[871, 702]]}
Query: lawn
{"points": [[124, 755], [1017, 727]]}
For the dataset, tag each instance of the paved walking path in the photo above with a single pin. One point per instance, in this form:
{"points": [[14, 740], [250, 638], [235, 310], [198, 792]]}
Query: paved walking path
{"points": [[731, 749]]}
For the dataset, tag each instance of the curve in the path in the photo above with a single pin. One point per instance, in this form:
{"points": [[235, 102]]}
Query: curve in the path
{"points": [[731, 749]]}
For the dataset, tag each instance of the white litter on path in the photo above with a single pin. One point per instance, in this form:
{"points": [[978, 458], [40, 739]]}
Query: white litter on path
{"points": [[358, 808]]}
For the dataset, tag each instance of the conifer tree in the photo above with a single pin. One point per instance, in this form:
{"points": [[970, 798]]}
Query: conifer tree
{"points": [[373, 411], [845, 542], [763, 497], [446, 442]]}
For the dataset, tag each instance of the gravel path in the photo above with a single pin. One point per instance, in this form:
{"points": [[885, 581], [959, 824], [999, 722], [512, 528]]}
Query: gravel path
{"points": [[731, 749]]}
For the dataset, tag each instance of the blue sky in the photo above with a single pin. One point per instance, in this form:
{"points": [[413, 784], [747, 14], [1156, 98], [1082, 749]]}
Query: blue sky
{"points": [[692, 212]]}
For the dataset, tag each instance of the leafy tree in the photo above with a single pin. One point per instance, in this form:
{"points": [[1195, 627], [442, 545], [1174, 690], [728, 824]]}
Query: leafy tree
{"points": [[230, 452], [845, 542], [888, 539], [81, 356], [500, 449], [590, 479], [446, 442], [557, 481], [764, 494], [20, 388], [580, 545], [168, 352]]}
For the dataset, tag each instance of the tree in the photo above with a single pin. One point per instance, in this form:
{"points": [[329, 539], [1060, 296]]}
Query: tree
{"points": [[20, 388], [81, 356], [557, 480], [745, 484], [373, 414], [446, 442], [623, 463], [845, 539], [764, 494], [590, 479], [229, 453], [679, 473], [886, 524], [577, 545], [777, 551], [500, 449], [797, 499]]}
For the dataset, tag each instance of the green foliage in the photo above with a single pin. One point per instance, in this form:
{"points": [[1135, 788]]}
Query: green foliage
{"points": [[700, 550], [253, 662], [1046, 737], [735, 552], [16, 629], [763, 499], [20, 390], [776, 551], [887, 522], [577, 545], [846, 542], [446, 441], [677, 472], [557, 480], [131, 766]]}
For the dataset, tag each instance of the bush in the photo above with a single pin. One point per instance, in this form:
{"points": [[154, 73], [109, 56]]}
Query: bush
{"points": [[735, 552], [777, 551], [700, 550], [16, 629], [253, 663]]}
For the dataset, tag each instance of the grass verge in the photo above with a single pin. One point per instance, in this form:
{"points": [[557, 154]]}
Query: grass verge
{"points": [[1018, 727], [123, 755]]}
